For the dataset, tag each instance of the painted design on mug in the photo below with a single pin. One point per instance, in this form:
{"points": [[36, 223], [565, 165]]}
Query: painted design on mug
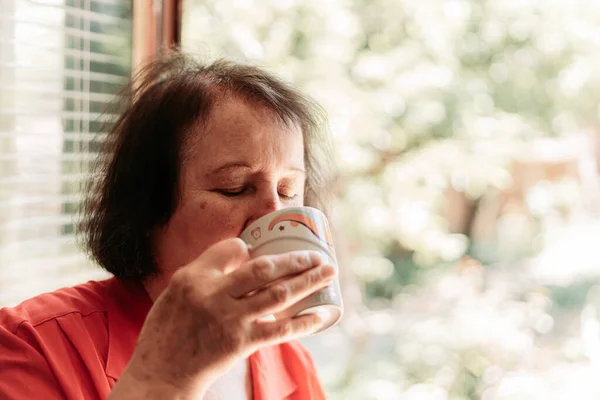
{"points": [[256, 233], [296, 217]]}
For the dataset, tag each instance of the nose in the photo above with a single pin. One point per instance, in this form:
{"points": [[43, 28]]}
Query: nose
{"points": [[264, 204]]}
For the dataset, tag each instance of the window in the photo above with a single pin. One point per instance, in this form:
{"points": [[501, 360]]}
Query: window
{"points": [[61, 62]]}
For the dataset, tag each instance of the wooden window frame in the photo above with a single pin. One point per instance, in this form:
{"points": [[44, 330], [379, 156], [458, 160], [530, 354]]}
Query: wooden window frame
{"points": [[156, 27]]}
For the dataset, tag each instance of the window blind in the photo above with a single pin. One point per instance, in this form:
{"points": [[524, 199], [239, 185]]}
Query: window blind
{"points": [[61, 62]]}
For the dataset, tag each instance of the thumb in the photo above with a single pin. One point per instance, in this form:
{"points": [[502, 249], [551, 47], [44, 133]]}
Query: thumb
{"points": [[226, 255]]}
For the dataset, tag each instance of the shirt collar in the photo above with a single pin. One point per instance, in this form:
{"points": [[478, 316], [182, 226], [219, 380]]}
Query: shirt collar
{"points": [[128, 305], [271, 379]]}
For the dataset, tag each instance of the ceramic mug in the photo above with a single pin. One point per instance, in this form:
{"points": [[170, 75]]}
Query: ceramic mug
{"points": [[299, 228]]}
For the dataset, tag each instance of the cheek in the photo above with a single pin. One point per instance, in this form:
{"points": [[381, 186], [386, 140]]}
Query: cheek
{"points": [[212, 224], [194, 228], [211, 221]]}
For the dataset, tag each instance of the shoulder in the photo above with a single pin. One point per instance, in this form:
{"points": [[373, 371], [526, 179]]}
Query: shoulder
{"points": [[84, 299]]}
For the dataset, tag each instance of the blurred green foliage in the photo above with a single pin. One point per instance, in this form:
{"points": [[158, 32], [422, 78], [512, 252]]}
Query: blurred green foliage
{"points": [[465, 134]]}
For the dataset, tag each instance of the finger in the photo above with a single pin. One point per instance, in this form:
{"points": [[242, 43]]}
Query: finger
{"points": [[283, 294], [225, 255], [263, 270], [272, 333]]}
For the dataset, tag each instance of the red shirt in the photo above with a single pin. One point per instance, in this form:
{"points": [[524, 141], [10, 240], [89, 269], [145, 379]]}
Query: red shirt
{"points": [[75, 342]]}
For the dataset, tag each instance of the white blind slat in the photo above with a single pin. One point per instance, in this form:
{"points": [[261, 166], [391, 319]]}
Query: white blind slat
{"points": [[84, 55], [67, 94], [49, 200], [40, 245], [74, 136], [90, 76], [50, 156], [42, 178], [75, 12], [107, 2], [56, 113], [34, 222]]}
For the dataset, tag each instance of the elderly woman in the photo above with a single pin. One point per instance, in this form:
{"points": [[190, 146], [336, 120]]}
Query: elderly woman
{"points": [[198, 153]]}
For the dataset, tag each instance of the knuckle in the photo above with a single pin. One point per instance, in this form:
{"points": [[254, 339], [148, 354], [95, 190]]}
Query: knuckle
{"points": [[313, 278], [263, 269], [284, 329], [182, 280], [300, 259], [226, 249], [280, 293], [237, 245]]}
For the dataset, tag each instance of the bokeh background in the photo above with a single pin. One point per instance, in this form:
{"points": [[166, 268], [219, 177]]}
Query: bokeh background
{"points": [[467, 194]]}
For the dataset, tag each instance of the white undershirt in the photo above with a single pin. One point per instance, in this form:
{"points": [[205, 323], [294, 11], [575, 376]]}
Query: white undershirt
{"points": [[235, 384]]}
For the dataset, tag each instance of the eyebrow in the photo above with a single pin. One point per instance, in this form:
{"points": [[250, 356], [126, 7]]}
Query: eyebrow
{"points": [[237, 165]]}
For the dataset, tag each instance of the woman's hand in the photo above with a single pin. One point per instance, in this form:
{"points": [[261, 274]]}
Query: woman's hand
{"points": [[210, 315]]}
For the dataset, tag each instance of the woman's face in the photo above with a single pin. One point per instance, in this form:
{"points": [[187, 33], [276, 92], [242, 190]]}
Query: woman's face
{"points": [[244, 165]]}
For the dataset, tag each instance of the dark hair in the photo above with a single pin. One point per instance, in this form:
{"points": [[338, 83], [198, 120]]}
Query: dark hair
{"points": [[135, 184]]}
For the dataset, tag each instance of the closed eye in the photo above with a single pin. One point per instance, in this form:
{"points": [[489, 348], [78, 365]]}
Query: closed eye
{"points": [[244, 190], [232, 193]]}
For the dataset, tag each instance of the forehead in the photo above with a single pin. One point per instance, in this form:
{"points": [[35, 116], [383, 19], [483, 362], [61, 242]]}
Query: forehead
{"points": [[238, 131]]}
